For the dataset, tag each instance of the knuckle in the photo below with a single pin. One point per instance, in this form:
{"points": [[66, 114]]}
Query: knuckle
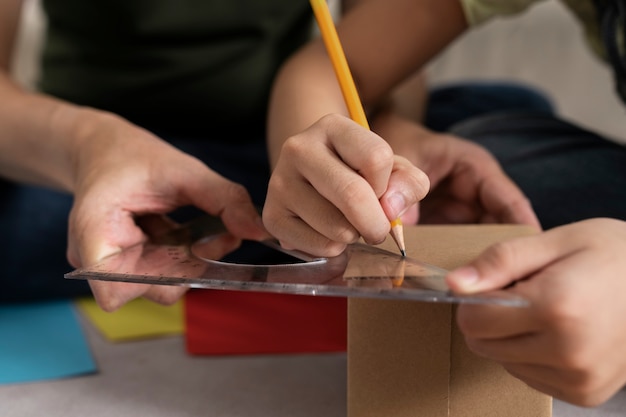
{"points": [[277, 186], [344, 234], [566, 313], [499, 254], [373, 236], [381, 157], [524, 203], [354, 192], [237, 193], [331, 249], [330, 120], [275, 221], [293, 146]]}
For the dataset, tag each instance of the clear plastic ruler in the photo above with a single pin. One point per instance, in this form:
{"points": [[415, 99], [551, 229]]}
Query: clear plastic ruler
{"points": [[183, 256]]}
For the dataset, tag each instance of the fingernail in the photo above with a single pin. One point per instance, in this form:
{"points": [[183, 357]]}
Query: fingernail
{"points": [[465, 278], [397, 203]]}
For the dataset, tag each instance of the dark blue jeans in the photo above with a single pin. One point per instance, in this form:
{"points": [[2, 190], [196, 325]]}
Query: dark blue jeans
{"points": [[568, 173]]}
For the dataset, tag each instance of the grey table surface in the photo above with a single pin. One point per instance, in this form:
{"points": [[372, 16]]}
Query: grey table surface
{"points": [[157, 378]]}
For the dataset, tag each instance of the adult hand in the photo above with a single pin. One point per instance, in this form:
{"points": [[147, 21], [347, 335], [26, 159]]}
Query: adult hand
{"points": [[570, 342], [337, 182], [467, 183], [123, 173]]}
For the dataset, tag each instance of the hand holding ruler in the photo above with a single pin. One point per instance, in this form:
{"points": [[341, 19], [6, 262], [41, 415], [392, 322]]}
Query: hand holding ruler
{"points": [[184, 256]]}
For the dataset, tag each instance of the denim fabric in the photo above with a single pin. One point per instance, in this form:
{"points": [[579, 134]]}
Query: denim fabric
{"points": [[567, 172], [453, 103], [33, 225]]}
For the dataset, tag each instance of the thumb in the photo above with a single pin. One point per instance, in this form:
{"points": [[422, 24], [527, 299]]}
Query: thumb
{"points": [[232, 203], [92, 238], [407, 186], [503, 264]]}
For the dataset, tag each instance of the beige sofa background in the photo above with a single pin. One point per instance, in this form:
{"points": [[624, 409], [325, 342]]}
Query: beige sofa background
{"points": [[544, 46]]}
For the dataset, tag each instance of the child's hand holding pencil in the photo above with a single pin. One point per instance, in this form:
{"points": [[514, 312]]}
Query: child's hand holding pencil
{"points": [[326, 192], [348, 88], [346, 183]]}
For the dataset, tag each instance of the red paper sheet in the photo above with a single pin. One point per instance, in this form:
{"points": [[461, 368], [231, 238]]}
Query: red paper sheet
{"points": [[239, 323]]}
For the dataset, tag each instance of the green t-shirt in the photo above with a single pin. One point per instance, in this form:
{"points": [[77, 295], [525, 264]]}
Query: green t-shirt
{"points": [[185, 67]]}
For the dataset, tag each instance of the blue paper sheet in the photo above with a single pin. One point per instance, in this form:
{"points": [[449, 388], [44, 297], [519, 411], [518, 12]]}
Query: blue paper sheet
{"points": [[42, 341]]}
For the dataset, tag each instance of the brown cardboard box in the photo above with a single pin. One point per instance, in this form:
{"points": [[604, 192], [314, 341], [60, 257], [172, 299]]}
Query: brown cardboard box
{"points": [[409, 358]]}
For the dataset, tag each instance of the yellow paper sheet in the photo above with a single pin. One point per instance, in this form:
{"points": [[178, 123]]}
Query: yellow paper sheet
{"points": [[139, 319]]}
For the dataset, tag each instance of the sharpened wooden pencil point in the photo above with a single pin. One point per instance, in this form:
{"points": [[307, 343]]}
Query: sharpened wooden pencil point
{"points": [[397, 233]]}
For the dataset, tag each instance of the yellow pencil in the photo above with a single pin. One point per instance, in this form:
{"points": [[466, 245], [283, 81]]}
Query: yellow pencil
{"points": [[348, 88]]}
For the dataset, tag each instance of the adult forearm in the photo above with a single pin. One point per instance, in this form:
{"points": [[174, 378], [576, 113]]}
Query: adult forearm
{"points": [[40, 136]]}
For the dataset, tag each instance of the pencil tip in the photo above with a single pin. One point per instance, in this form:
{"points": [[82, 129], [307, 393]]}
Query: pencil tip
{"points": [[403, 252]]}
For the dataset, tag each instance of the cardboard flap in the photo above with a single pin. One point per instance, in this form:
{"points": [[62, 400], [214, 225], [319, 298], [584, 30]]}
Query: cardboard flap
{"points": [[409, 358], [402, 358]]}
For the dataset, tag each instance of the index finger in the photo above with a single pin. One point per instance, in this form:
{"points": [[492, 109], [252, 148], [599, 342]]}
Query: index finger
{"points": [[360, 149], [230, 201]]}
